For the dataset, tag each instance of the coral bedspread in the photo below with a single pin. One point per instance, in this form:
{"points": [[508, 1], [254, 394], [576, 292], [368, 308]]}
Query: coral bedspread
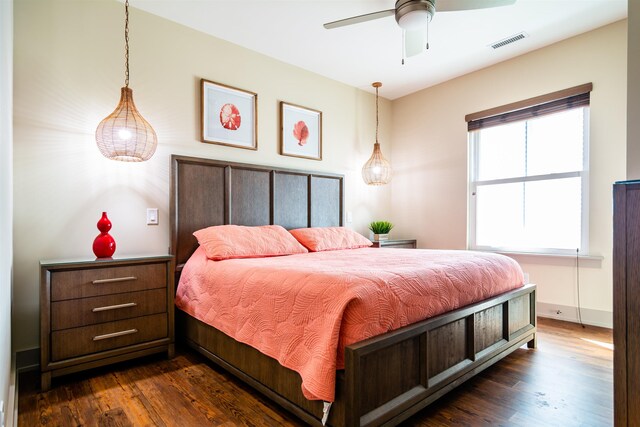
{"points": [[302, 310]]}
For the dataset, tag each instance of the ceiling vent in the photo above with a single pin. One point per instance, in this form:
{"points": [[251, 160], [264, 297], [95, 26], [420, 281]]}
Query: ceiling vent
{"points": [[509, 40]]}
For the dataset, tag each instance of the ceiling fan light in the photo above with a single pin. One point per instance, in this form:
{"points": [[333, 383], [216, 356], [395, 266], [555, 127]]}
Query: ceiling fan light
{"points": [[414, 20]]}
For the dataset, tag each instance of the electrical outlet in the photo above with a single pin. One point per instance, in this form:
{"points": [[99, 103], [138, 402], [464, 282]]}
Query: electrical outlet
{"points": [[152, 216], [1, 413]]}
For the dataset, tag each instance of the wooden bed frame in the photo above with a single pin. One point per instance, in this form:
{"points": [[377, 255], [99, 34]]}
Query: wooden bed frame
{"points": [[386, 378]]}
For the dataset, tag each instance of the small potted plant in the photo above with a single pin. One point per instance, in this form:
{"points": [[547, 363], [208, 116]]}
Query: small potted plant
{"points": [[380, 230]]}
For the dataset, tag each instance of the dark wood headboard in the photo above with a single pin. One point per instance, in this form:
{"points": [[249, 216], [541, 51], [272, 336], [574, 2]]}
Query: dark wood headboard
{"points": [[207, 192]]}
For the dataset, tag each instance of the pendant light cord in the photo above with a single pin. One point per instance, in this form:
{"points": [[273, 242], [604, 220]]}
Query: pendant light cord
{"points": [[126, 43], [376, 114]]}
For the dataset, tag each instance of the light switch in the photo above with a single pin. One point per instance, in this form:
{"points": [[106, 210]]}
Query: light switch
{"points": [[152, 216], [349, 216]]}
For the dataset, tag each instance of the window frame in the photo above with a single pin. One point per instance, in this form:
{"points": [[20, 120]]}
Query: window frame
{"points": [[473, 183]]}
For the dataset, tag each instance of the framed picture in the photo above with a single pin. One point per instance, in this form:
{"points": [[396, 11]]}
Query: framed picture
{"points": [[300, 131], [229, 115]]}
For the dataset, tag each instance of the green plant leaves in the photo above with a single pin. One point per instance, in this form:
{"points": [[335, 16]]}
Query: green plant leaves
{"points": [[380, 227]]}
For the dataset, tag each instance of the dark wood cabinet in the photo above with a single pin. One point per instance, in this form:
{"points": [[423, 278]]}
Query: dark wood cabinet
{"points": [[98, 312], [626, 303], [406, 243]]}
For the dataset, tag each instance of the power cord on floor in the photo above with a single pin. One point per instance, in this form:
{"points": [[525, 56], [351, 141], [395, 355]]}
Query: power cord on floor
{"points": [[578, 285]]}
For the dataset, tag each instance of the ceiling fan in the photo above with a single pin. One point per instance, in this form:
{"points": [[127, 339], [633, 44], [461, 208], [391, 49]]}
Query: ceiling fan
{"points": [[413, 17]]}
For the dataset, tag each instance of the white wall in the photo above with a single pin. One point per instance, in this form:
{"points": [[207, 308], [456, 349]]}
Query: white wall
{"points": [[68, 73], [6, 203], [429, 191], [633, 92]]}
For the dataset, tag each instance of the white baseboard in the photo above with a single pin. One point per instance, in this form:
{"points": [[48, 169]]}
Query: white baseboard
{"points": [[12, 404], [21, 361], [591, 317]]}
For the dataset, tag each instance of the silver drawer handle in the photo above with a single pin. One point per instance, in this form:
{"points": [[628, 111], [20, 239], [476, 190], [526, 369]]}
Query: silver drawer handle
{"points": [[117, 279], [114, 307], [115, 334]]}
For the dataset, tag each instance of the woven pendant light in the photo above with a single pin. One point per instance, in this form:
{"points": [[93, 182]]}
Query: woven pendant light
{"points": [[377, 170], [125, 135]]}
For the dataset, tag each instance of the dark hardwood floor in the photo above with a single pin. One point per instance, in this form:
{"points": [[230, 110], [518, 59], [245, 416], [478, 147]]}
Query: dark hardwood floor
{"points": [[566, 381]]}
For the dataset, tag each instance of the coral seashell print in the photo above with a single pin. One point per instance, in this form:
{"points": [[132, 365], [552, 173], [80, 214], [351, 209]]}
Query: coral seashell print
{"points": [[230, 117], [301, 132]]}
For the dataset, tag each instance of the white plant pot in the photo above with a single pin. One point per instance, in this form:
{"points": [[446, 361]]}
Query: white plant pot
{"points": [[379, 237]]}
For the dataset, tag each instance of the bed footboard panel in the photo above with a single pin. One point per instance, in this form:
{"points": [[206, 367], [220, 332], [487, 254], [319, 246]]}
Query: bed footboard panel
{"points": [[390, 379], [262, 372]]}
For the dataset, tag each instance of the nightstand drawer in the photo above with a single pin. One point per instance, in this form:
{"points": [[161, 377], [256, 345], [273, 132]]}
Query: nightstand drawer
{"points": [[401, 246], [89, 282], [88, 311], [396, 244], [106, 336]]}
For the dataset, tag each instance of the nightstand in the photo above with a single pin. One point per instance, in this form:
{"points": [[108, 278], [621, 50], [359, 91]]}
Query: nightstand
{"points": [[407, 243], [102, 311]]}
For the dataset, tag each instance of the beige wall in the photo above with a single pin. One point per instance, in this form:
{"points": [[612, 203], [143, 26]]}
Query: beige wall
{"points": [[68, 73], [6, 203], [633, 92], [429, 191]]}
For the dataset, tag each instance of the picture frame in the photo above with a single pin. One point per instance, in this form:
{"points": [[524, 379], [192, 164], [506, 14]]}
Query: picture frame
{"points": [[300, 131], [229, 115]]}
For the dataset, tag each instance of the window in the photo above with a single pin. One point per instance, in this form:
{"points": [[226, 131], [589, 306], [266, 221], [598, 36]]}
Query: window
{"points": [[529, 176]]}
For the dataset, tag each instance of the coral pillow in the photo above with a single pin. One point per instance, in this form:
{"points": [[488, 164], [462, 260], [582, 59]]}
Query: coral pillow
{"points": [[234, 241], [318, 239]]}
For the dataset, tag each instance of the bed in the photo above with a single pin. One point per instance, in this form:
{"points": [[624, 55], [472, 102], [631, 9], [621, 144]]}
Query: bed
{"points": [[386, 378]]}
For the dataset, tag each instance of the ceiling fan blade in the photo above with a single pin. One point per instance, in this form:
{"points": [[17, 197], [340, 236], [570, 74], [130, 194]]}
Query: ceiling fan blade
{"points": [[359, 19], [455, 5], [414, 42]]}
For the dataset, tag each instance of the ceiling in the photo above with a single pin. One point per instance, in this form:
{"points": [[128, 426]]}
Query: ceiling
{"points": [[292, 31]]}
